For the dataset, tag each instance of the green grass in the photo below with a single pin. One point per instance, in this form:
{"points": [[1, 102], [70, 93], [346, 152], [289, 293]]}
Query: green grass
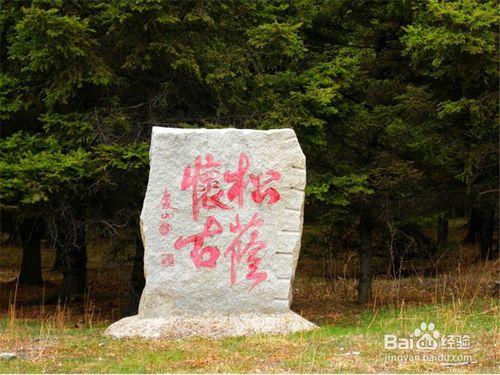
{"points": [[57, 346]]}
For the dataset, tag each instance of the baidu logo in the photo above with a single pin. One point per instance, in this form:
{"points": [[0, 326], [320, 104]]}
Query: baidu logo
{"points": [[426, 337]]}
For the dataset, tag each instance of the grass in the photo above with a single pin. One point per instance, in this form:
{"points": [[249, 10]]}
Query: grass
{"points": [[353, 344], [455, 292]]}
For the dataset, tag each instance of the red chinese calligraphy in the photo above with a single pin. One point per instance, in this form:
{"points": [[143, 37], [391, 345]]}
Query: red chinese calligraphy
{"points": [[202, 256], [250, 250], [166, 205], [167, 260], [203, 180], [164, 229], [238, 180], [258, 195], [166, 201]]}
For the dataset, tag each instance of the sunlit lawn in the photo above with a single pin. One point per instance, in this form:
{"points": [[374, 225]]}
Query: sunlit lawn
{"points": [[353, 344]]}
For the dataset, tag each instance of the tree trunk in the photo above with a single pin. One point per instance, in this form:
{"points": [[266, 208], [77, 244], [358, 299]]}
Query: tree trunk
{"points": [[58, 259], [30, 232], [137, 280], [487, 229], [442, 230], [365, 259], [474, 226], [74, 264]]}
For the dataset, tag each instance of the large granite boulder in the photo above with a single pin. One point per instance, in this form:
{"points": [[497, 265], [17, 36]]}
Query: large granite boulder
{"points": [[221, 226]]}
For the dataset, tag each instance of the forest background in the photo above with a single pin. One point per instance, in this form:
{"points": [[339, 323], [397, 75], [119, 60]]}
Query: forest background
{"points": [[395, 104]]}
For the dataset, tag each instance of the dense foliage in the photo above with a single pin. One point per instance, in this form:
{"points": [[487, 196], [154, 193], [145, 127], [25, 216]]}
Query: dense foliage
{"points": [[395, 103]]}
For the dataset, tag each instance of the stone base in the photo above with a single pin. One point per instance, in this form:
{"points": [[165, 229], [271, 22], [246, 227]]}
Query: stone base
{"points": [[209, 325]]}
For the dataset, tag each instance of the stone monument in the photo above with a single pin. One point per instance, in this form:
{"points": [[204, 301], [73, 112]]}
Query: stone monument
{"points": [[221, 226]]}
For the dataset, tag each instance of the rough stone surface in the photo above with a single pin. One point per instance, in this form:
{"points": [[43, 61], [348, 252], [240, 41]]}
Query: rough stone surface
{"points": [[210, 325], [221, 226]]}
